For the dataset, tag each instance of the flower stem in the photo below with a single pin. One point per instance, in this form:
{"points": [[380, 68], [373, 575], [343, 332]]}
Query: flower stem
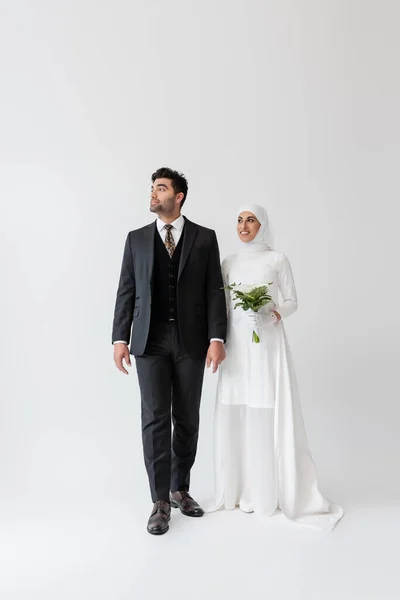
{"points": [[255, 339]]}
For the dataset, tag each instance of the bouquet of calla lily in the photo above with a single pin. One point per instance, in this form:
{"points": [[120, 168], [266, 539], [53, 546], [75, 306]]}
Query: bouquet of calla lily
{"points": [[252, 299]]}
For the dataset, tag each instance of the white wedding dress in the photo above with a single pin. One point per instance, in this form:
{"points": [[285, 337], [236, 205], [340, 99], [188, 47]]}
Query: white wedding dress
{"points": [[261, 456]]}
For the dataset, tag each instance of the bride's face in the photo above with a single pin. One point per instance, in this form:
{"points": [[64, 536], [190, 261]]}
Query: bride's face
{"points": [[247, 226]]}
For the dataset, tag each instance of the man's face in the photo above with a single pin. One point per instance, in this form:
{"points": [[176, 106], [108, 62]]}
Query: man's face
{"points": [[163, 198]]}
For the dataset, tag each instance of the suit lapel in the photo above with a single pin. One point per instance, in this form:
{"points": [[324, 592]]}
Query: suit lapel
{"points": [[148, 247], [189, 233]]}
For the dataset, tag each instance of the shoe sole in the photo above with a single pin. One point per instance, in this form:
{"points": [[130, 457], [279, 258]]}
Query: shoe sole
{"points": [[158, 532]]}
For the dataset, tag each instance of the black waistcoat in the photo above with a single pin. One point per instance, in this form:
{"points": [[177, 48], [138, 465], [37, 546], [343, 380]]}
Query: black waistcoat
{"points": [[165, 281]]}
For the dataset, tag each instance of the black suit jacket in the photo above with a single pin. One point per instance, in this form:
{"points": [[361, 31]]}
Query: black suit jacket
{"points": [[200, 297]]}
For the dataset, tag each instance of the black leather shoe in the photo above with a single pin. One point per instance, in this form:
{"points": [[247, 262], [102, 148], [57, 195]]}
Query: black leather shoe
{"points": [[186, 504], [159, 518]]}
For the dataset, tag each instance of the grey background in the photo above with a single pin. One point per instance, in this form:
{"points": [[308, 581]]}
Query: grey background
{"points": [[293, 105]]}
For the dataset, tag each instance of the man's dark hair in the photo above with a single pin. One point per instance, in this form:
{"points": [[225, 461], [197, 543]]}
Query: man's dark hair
{"points": [[178, 180]]}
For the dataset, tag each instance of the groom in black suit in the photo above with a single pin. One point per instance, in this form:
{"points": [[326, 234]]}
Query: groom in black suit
{"points": [[170, 308]]}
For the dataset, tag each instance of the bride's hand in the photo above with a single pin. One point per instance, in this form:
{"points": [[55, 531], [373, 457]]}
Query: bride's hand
{"points": [[268, 308]]}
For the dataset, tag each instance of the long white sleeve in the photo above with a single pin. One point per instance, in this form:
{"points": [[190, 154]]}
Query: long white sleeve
{"points": [[287, 289], [225, 279]]}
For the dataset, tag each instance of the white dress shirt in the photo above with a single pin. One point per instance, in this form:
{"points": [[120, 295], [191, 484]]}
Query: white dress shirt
{"points": [[177, 228]]}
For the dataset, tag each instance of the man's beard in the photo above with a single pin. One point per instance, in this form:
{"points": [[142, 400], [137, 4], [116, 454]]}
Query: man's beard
{"points": [[162, 210]]}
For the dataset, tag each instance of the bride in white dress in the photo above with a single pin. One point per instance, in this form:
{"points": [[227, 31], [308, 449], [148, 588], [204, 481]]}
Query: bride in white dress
{"points": [[261, 455]]}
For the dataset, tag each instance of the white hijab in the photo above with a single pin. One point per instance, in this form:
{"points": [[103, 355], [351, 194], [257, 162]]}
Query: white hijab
{"points": [[262, 240]]}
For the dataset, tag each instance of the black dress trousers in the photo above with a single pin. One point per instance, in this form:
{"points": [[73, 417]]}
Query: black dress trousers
{"points": [[170, 384]]}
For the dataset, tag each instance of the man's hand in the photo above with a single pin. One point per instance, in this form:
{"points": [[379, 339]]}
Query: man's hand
{"points": [[121, 352], [216, 355]]}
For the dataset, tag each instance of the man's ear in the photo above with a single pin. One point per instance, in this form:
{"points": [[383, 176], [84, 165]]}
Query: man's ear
{"points": [[179, 197]]}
